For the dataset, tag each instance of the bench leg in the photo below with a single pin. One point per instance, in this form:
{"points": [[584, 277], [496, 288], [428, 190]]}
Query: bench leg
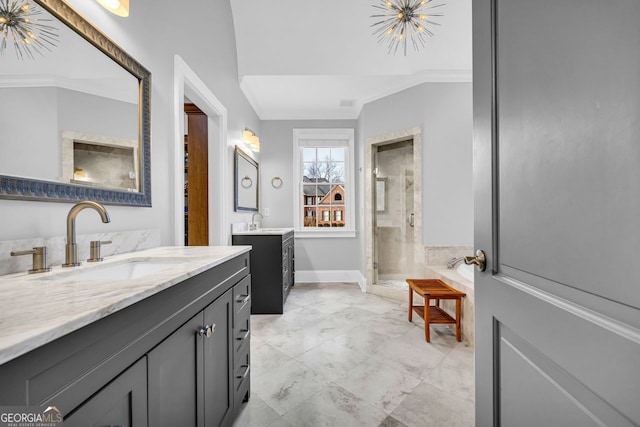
{"points": [[410, 304], [427, 331], [458, 329]]}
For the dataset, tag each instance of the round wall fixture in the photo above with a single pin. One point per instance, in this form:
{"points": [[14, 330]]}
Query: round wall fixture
{"points": [[246, 182], [276, 182]]}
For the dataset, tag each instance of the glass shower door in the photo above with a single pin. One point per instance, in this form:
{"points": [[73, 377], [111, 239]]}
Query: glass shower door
{"points": [[394, 215]]}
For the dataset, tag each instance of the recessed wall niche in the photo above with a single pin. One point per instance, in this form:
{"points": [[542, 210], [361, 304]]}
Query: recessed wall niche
{"points": [[100, 161]]}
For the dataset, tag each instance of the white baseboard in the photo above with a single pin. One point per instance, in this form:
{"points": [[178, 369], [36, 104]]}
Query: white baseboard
{"points": [[331, 276]]}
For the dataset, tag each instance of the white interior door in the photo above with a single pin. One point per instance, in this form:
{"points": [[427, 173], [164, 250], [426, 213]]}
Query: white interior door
{"points": [[557, 175]]}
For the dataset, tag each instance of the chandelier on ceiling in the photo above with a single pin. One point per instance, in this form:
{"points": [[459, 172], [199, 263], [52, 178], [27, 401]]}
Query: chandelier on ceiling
{"points": [[21, 26], [404, 20]]}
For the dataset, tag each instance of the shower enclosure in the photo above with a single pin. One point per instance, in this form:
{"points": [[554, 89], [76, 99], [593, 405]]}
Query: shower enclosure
{"points": [[395, 225]]}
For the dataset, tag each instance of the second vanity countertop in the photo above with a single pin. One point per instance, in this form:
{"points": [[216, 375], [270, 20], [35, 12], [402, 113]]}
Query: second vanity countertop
{"points": [[266, 231], [38, 308]]}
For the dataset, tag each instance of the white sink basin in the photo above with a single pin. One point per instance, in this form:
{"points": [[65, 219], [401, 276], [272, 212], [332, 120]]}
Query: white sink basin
{"points": [[130, 270]]}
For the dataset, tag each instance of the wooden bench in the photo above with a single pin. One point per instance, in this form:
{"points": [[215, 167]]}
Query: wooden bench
{"points": [[436, 290]]}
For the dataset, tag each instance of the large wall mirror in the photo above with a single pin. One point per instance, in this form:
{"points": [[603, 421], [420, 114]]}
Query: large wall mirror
{"points": [[246, 182], [75, 120]]}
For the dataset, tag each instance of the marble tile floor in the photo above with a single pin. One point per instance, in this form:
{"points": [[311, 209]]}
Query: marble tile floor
{"points": [[340, 357], [401, 284]]}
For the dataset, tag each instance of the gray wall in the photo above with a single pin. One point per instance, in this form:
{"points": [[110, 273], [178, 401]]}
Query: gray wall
{"points": [[444, 112], [81, 112], [153, 35], [32, 119], [276, 158], [28, 117]]}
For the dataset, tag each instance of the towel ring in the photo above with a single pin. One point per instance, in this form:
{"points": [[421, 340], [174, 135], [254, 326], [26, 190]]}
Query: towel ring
{"points": [[276, 182], [246, 182]]}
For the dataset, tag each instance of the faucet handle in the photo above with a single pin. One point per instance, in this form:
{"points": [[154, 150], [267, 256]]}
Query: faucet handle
{"points": [[39, 259], [94, 250]]}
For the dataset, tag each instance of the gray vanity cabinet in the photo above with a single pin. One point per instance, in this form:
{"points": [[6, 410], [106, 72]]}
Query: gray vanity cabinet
{"points": [[123, 402], [155, 363], [190, 371], [272, 268]]}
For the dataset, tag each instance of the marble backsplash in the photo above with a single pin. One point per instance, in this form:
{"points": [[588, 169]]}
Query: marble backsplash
{"points": [[439, 255], [122, 242]]}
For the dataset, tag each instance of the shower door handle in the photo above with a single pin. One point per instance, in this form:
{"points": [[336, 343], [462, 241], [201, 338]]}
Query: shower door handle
{"points": [[411, 217]]}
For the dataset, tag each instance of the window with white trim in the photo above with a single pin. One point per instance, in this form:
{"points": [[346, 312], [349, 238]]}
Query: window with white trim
{"points": [[324, 199]]}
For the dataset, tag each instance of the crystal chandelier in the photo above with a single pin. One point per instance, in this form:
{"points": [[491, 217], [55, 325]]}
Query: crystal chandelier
{"points": [[21, 26], [405, 19]]}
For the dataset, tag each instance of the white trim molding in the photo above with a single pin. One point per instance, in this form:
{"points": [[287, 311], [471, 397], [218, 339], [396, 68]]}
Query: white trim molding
{"points": [[187, 82], [339, 137], [331, 276]]}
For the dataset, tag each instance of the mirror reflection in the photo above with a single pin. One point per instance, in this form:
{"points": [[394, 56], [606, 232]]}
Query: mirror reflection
{"points": [[72, 116], [246, 182]]}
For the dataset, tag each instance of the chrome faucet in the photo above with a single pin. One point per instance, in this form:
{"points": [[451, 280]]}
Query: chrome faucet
{"points": [[253, 225], [453, 261], [71, 249]]}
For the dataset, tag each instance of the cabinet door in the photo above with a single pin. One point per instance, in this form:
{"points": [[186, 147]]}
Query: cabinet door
{"points": [[218, 362], [173, 377], [123, 402]]}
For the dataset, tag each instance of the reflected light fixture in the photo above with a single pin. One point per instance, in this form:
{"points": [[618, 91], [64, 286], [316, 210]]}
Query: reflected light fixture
{"points": [[118, 7], [402, 20], [21, 26], [250, 138]]}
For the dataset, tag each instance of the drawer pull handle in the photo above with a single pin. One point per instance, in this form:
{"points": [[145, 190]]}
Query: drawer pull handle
{"points": [[245, 336], [246, 372], [207, 330], [243, 298]]}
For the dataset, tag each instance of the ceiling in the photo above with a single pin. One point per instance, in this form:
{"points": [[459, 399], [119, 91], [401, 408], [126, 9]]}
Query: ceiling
{"points": [[302, 59]]}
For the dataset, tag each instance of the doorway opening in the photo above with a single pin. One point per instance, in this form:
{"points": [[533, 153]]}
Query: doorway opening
{"points": [[196, 176], [187, 85], [394, 206]]}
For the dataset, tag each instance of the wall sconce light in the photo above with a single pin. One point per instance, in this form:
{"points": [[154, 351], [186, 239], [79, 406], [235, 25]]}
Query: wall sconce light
{"points": [[250, 138], [118, 7]]}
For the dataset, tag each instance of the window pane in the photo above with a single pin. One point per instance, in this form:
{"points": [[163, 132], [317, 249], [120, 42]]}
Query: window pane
{"points": [[336, 172], [324, 154], [309, 154], [309, 194], [337, 154], [323, 191], [338, 195], [311, 170], [309, 216]]}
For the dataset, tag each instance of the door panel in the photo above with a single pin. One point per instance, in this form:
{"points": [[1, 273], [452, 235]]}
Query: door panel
{"points": [[174, 382], [568, 121], [557, 189], [536, 391], [218, 362], [122, 402]]}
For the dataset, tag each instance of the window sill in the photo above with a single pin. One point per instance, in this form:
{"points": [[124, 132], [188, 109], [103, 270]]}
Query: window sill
{"points": [[321, 234]]}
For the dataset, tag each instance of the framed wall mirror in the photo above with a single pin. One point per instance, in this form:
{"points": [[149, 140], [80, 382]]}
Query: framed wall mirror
{"points": [[75, 119], [246, 182]]}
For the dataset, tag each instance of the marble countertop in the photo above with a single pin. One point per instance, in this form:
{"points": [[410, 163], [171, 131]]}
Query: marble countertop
{"points": [[266, 231], [38, 308]]}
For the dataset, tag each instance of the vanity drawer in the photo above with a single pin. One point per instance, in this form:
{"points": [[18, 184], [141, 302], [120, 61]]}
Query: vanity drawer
{"points": [[241, 377], [241, 333], [242, 296]]}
